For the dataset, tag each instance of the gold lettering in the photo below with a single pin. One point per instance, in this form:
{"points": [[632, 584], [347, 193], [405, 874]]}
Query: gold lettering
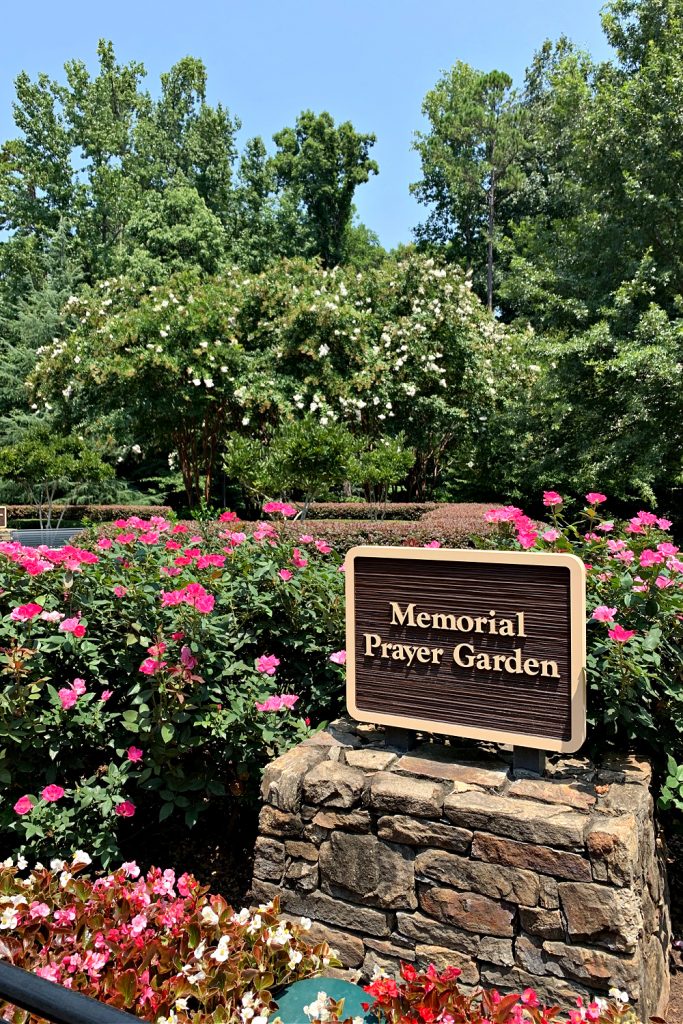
{"points": [[483, 661], [520, 624], [423, 654], [436, 655], [457, 658], [424, 620], [398, 650], [440, 621], [506, 627], [492, 622], [398, 617], [497, 659], [531, 667], [549, 668], [478, 628], [372, 640], [513, 664], [465, 624]]}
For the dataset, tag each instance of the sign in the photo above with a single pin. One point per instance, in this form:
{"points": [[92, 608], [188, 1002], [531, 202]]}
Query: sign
{"points": [[3, 517], [487, 645]]}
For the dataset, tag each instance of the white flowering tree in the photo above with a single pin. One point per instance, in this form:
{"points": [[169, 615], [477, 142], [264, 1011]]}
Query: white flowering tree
{"points": [[404, 350]]}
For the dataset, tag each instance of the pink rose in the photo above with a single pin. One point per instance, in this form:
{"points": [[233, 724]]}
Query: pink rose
{"points": [[551, 535], [433, 544], [72, 625], [648, 557], [67, 697], [324, 548], [228, 517], [23, 805], [595, 498], [339, 657], [604, 614], [120, 591], [104, 543], [52, 793], [621, 635], [79, 687], [285, 574], [267, 664], [125, 809], [105, 695], [134, 754], [551, 498], [26, 612]]}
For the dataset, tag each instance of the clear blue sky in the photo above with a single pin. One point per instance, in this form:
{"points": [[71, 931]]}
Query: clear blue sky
{"points": [[368, 61]]}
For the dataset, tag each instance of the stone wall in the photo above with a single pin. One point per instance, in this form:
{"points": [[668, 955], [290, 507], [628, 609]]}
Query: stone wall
{"points": [[427, 856]]}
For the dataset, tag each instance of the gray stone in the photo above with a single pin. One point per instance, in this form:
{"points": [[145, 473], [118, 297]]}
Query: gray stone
{"points": [[612, 845], [305, 851], [542, 859], [370, 760], [385, 955], [469, 911], [321, 907], [278, 823], [595, 967], [443, 958], [551, 991], [513, 884], [269, 859], [283, 777], [425, 931], [544, 924], [349, 948], [396, 794], [523, 820], [302, 875], [353, 821], [601, 915], [380, 874], [400, 828], [329, 784], [581, 798], [488, 776]]}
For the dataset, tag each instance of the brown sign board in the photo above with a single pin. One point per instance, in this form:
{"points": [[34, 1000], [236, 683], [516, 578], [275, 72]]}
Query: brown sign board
{"points": [[3, 517], [487, 645]]}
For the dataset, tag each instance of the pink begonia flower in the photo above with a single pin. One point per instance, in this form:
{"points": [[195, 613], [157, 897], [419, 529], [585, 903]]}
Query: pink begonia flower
{"points": [[306, 538], [105, 543], [73, 626], [173, 545], [52, 793], [529, 997], [267, 664], [48, 971], [38, 910], [125, 809], [595, 498], [67, 697], [23, 805], [551, 498], [105, 695], [26, 612], [339, 657], [285, 574], [134, 754], [131, 869], [51, 616], [323, 547], [648, 558], [527, 540], [620, 634], [120, 591], [551, 535], [432, 544], [604, 614], [298, 560], [663, 582]]}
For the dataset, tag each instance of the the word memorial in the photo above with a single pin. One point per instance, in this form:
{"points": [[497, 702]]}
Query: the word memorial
{"points": [[487, 645]]}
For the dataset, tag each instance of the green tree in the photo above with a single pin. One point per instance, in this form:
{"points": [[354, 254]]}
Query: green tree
{"points": [[321, 165], [470, 164]]}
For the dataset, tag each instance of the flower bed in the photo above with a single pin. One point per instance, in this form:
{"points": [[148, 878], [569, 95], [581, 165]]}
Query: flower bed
{"points": [[148, 666]]}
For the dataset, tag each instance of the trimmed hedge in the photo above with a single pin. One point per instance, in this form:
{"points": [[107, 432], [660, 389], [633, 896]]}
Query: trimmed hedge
{"points": [[96, 513], [367, 510]]}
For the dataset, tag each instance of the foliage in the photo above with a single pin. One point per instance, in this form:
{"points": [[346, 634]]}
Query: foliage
{"points": [[162, 947], [634, 662], [45, 465], [181, 368], [158, 667], [420, 997], [671, 796]]}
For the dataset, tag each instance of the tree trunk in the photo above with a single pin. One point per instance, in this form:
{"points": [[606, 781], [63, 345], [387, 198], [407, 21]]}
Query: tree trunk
{"points": [[489, 259]]}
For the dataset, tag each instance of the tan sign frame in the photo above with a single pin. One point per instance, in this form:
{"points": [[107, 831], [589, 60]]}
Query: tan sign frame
{"points": [[577, 584]]}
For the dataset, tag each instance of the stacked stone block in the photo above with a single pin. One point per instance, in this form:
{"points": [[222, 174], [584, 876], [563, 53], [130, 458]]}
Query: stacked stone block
{"points": [[430, 856]]}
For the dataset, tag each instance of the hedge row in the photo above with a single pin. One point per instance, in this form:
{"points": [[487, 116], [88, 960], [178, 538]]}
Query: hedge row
{"points": [[367, 510], [95, 513]]}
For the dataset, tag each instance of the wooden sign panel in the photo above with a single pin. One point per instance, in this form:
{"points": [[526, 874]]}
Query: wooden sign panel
{"points": [[488, 645], [3, 517]]}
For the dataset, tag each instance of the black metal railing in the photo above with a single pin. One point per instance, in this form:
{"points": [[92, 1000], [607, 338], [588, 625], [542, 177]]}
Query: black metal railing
{"points": [[53, 1002]]}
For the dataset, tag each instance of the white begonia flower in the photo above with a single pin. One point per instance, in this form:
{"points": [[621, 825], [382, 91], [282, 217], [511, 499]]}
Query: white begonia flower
{"points": [[305, 923], [22, 862], [295, 957], [65, 878], [222, 952], [375, 400], [181, 1004], [81, 857], [9, 918], [57, 865], [248, 997], [324, 420], [255, 924], [619, 995], [199, 951], [8, 862], [242, 917], [209, 916]]}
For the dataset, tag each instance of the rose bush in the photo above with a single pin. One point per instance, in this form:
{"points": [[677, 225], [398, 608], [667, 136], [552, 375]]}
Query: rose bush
{"points": [[156, 664], [162, 947], [635, 617]]}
